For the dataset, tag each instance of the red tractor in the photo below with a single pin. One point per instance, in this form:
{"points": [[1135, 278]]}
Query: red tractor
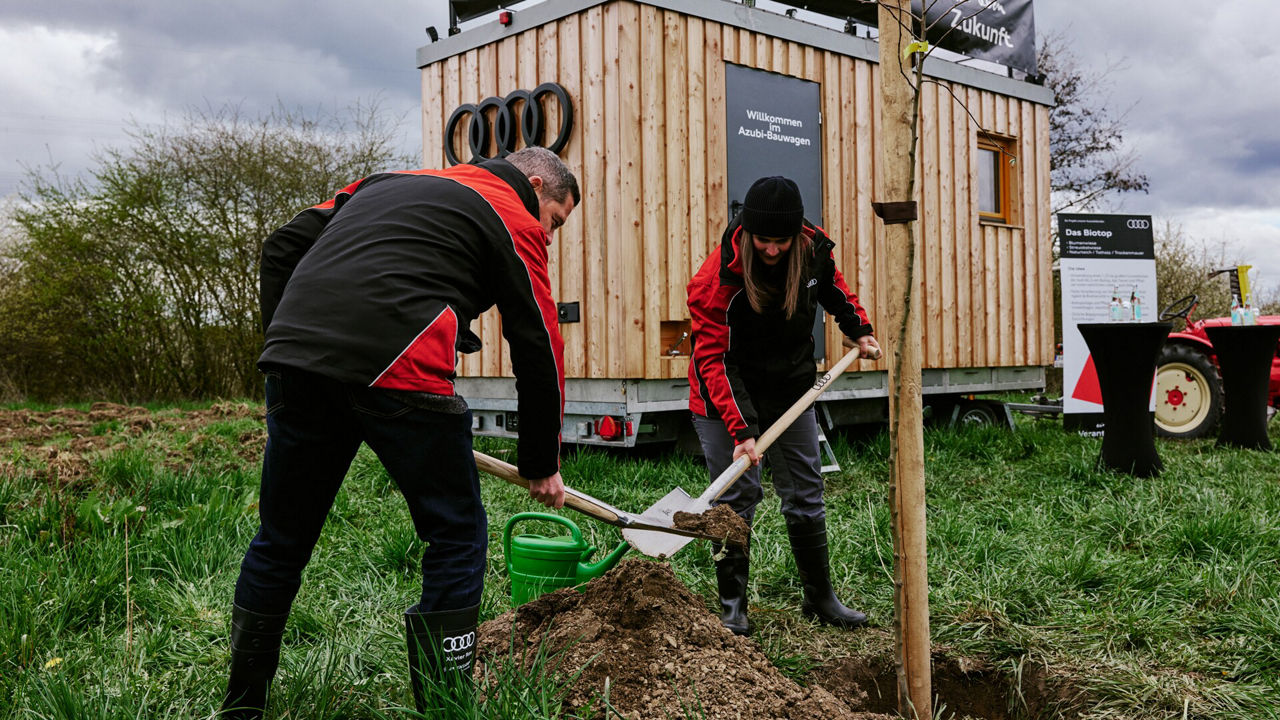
{"points": [[1188, 385]]}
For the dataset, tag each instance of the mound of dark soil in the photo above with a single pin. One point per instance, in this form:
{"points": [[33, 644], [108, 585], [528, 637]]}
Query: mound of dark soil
{"points": [[643, 635]]}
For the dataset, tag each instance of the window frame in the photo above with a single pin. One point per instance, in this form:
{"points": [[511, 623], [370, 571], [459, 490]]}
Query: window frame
{"points": [[1005, 178]]}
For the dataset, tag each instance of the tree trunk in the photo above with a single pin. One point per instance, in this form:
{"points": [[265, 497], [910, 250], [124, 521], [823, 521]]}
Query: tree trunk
{"points": [[899, 109]]}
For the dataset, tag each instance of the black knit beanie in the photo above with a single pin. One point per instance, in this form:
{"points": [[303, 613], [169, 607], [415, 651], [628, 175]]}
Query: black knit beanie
{"points": [[773, 208]]}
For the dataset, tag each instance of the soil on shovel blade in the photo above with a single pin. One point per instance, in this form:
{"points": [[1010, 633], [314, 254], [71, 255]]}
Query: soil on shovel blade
{"points": [[643, 635], [720, 521]]}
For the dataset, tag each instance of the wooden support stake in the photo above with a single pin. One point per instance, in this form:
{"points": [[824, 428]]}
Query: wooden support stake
{"points": [[899, 122]]}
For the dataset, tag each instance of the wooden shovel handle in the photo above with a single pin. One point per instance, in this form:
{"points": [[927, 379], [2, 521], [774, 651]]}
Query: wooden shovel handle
{"points": [[584, 504], [734, 471], [819, 387]]}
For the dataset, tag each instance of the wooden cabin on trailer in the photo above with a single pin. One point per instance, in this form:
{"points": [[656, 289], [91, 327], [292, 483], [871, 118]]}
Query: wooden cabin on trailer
{"points": [[667, 110]]}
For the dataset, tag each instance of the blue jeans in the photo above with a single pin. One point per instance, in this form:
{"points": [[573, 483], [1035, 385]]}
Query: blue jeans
{"points": [[314, 427]]}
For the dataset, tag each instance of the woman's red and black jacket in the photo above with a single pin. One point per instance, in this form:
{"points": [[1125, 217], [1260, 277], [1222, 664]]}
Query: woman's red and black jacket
{"points": [[749, 366]]}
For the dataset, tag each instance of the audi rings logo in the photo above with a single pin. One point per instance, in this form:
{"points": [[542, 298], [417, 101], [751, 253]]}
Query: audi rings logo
{"points": [[458, 643], [528, 105], [1138, 224]]}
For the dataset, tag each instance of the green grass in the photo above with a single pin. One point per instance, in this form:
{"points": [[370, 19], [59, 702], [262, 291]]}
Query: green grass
{"points": [[1159, 598]]}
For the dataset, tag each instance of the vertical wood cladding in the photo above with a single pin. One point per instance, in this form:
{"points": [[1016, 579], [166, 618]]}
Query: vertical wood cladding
{"points": [[648, 147]]}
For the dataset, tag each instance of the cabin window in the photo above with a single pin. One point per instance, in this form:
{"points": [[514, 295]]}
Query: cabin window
{"points": [[996, 187]]}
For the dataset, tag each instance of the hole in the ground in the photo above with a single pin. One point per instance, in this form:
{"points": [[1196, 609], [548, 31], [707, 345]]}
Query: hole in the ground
{"points": [[961, 688]]}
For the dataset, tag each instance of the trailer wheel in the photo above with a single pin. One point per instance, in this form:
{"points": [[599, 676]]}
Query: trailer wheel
{"points": [[1188, 393], [979, 412], [976, 413]]}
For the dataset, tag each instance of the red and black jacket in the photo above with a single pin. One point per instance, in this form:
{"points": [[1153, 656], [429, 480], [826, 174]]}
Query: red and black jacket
{"points": [[379, 285], [749, 366]]}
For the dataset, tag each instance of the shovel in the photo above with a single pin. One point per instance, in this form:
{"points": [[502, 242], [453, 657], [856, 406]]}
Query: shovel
{"points": [[651, 542], [663, 511]]}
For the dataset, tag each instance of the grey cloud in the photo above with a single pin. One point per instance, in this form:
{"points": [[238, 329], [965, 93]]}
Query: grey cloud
{"points": [[167, 57], [314, 51], [1262, 156]]}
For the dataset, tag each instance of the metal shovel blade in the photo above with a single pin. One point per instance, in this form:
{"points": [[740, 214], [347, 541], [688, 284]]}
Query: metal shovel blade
{"points": [[662, 513]]}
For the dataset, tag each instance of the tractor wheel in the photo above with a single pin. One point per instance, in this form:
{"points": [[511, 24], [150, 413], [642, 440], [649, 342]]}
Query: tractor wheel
{"points": [[1188, 393]]}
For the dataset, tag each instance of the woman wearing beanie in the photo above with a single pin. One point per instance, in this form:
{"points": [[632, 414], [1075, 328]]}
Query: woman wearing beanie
{"points": [[753, 305]]}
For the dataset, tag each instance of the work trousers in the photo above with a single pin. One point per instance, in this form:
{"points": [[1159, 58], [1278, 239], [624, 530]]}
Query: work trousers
{"points": [[314, 427], [794, 465]]}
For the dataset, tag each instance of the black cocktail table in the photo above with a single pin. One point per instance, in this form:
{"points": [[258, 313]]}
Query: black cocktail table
{"points": [[1244, 357], [1124, 355]]}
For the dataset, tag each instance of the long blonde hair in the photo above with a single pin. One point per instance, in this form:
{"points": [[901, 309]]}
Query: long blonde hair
{"points": [[763, 296]]}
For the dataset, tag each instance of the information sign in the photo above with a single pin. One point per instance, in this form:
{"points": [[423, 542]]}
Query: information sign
{"points": [[1108, 270]]}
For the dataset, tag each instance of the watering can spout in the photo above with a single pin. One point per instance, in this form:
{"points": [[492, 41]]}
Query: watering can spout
{"points": [[590, 571]]}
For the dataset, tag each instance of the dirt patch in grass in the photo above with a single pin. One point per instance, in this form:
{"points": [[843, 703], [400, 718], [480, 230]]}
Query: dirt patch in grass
{"points": [[103, 420], [658, 652], [65, 442]]}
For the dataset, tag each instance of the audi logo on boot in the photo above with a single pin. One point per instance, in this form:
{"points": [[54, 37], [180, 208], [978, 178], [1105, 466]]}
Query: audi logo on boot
{"points": [[531, 127], [458, 643]]}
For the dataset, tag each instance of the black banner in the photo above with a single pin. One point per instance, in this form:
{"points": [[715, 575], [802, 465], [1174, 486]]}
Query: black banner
{"points": [[1122, 237], [1002, 31], [773, 128]]}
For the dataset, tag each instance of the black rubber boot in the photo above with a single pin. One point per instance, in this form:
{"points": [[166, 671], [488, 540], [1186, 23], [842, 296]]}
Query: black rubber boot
{"points": [[809, 545], [255, 655], [731, 576], [442, 652]]}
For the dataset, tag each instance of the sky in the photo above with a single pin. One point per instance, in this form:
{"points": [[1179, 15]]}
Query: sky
{"points": [[1200, 95]]}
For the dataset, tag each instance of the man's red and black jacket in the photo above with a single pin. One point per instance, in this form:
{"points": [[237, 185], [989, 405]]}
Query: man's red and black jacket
{"points": [[379, 285], [750, 367]]}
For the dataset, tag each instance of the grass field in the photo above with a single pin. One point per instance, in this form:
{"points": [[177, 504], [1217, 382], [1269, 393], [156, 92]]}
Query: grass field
{"points": [[1154, 598]]}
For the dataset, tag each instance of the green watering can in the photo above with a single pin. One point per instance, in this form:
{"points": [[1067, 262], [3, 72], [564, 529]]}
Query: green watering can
{"points": [[538, 564]]}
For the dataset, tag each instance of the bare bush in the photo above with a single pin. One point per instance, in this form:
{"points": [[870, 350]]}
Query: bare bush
{"points": [[142, 283]]}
